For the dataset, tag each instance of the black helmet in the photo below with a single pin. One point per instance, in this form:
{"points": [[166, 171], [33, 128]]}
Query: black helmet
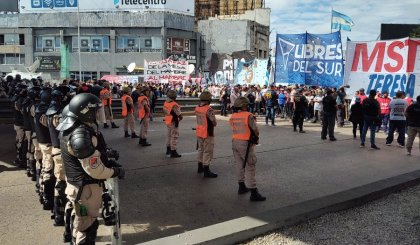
{"points": [[84, 106], [34, 93], [45, 100], [59, 97]]}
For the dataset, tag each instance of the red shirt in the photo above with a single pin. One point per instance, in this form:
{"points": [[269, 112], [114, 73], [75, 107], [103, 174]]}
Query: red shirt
{"points": [[362, 98], [384, 103], [409, 100]]}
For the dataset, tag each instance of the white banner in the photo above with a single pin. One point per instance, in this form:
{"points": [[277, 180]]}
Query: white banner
{"points": [[165, 70], [391, 65], [51, 6]]}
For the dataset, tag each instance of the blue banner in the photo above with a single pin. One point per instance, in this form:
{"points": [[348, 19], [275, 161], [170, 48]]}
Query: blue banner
{"points": [[313, 60]]}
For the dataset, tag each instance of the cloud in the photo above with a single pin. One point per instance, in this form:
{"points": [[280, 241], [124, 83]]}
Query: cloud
{"points": [[315, 15]]}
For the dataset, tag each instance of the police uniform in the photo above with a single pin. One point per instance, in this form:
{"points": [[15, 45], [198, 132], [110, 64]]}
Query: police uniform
{"points": [[60, 97], [44, 140], [127, 113], [206, 121], [20, 143], [86, 166], [173, 115], [245, 130], [144, 115], [106, 98]]}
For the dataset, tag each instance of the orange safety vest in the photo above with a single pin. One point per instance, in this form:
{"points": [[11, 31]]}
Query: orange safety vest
{"points": [[201, 115], [240, 127], [105, 92], [124, 99], [142, 111], [167, 106]]}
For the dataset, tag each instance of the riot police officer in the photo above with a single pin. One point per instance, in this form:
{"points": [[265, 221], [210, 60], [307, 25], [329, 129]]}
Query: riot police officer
{"points": [[60, 97], [173, 115], [206, 121], [83, 152], [244, 138], [44, 140], [20, 94]]}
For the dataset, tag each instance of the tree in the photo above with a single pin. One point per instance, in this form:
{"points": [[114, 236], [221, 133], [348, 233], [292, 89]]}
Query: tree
{"points": [[415, 32]]}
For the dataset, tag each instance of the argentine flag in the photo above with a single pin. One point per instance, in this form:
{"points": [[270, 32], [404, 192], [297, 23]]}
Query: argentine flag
{"points": [[341, 21]]}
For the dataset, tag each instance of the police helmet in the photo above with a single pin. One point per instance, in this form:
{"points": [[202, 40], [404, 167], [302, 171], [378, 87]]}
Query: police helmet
{"points": [[84, 106], [205, 96], [34, 93], [171, 94], [241, 102], [45, 97]]}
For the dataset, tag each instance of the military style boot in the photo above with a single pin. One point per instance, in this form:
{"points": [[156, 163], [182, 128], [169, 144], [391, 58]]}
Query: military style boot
{"points": [[208, 173], [200, 168], [58, 212], [174, 154], [168, 151], [145, 143], [32, 169], [126, 134], [134, 136], [106, 125], [242, 188], [113, 125], [256, 196]]}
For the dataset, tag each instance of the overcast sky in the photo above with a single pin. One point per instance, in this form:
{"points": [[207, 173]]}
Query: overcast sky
{"points": [[314, 16]]}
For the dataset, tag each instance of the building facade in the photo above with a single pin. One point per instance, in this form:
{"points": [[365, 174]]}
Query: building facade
{"points": [[109, 40]]}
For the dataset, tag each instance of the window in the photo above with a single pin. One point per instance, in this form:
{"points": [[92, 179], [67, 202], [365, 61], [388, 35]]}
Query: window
{"points": [[86, 75], [12, 59], [47, 44], [91, 44], [12, 39], [139, 44]]}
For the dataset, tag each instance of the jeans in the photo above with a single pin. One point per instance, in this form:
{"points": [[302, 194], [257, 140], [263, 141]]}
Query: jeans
{"points": [[398, 125], [385, 121], [270, 114], [368, 123], [223, 111], [251, 107], [282, 111], [328, 124]]}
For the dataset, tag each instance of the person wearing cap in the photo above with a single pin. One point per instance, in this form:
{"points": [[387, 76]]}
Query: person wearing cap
{"points": [[244, 138], [173, 116], [356, 117], [371, 111], [318, 105], [127, 107], [144, 115], [384, 102], [206, 121], [413, 121], [299, 105], [106, 98], [329, 105]]}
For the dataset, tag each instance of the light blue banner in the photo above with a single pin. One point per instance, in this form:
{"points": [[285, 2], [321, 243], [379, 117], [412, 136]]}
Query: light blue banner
{"points": [[252, 73], [313, 60]]}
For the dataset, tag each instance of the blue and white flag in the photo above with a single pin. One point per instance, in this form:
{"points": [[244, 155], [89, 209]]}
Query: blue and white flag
{"points": [[341, 21], [313, 60]]}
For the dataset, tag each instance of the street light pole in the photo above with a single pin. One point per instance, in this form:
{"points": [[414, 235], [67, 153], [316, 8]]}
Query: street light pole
{"points": [[78, 40]]}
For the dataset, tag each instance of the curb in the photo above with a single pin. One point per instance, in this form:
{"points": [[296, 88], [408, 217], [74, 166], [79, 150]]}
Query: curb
{"points": [[244, 228]]}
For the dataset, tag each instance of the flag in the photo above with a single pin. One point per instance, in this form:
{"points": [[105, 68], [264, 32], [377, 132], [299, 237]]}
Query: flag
{"points": [[341, 21]]}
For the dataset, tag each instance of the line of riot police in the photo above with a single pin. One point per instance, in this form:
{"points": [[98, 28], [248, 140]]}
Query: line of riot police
{"points": [[59, 145]]}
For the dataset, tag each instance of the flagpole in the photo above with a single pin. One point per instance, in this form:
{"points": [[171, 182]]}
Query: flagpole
{"points": [[332, 9]]}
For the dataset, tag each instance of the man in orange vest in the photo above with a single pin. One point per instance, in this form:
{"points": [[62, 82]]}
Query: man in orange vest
{"points": [[128, 113], [106, 98], [206, 121], [245, 137], [144, 115], [173, 115]]}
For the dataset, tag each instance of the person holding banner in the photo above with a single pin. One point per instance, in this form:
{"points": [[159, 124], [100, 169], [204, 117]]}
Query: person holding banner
{"points": [[371, 111]]}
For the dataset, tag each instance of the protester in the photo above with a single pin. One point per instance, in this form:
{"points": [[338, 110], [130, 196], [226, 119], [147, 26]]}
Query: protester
{"points": [[397, 122], [329, 105], [413, 122], [384, 102], [356, 117], [371, 111]]}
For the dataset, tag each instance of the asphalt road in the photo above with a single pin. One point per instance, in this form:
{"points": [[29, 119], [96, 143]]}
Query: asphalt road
{"points": [[162, 196]]}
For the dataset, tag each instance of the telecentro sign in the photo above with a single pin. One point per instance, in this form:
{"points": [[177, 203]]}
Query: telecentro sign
{"points": [[140, 2]]}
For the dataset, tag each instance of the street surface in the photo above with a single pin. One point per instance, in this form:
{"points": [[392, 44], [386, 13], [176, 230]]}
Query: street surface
{"points": [[162, 197]]}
